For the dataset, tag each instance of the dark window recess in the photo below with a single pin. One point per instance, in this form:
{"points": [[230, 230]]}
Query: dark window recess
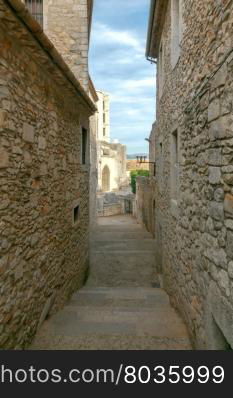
{"points": [[84, 146], [35, 7], [76, 214]]}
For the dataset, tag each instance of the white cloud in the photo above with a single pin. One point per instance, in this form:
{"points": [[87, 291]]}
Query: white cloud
{"points": [[139, 83], [105, 34]]}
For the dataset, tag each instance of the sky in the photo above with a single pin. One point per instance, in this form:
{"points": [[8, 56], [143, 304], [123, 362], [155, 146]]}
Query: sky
{"points": [[119, 67]]}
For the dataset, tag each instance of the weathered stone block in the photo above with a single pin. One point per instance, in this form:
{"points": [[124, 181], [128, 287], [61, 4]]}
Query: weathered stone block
{"points": [[17, 150], [229, 224], [217, 256], [27, 158], [3, 264], [219, 195], [221, 128], [228, 179], [230, 269], [28, 133], [214, 110], [4, 203], [41, 143], [230, 244], [215, 157], [3, 118], [223, 281], [228, 204], [214, 175], [227, 169], [220, 77], [4, 158], [4, 92], [216, 211]]}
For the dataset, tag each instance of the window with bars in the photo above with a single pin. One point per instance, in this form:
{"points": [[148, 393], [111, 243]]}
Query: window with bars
{"points": [[36, 9]]}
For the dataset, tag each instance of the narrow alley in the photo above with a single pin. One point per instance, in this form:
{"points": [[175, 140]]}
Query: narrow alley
{"points": [[122, 305]]}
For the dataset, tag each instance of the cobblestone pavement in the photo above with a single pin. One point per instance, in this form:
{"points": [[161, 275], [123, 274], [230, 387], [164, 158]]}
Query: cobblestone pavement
{"points": [[122, 305]]}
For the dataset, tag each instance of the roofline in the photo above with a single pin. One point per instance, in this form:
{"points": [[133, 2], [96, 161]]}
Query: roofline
{"points": [[21, 12], [156, 20], [104, 93], [150, 26], [93, 90], [90, 13]]}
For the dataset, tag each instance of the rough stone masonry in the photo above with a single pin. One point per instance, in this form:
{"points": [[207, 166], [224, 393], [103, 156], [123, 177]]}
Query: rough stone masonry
{"points": [[44, 187], [192, 41]]}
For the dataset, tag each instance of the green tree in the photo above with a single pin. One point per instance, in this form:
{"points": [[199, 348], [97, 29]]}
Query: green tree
{"points": [[134, 174]]}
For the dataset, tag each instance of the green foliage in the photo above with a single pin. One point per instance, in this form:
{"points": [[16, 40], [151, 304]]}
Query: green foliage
{"points": [[134, 174]]}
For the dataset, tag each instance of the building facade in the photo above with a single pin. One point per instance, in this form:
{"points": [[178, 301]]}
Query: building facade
{"points": [[68, 26], [103, 106], [192, 144], [44, 172], [111, 155]]}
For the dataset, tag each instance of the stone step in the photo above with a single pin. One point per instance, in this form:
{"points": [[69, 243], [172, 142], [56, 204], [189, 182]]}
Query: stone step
{"points": [[159, 323], [121, 306], [116, 221], [120, 312], [136, 298], [119, 235], [127, 292], [48, 341], [122, 269], [119, 228], [124, 245]]}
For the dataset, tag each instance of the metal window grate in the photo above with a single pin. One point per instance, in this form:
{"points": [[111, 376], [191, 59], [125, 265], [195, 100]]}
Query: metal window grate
{"points": [[36, 9]]}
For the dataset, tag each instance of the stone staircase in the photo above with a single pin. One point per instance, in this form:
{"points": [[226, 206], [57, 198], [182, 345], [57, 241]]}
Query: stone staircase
{"points": [[122, 305]]}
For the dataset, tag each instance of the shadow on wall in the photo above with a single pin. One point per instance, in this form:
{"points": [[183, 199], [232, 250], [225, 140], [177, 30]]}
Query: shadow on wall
{"points": [[106, 179]]}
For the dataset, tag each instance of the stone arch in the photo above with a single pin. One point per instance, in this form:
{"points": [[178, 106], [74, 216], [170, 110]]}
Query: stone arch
{"points": [[106, 179]]}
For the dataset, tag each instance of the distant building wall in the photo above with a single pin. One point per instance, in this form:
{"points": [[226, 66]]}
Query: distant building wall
{"points": [[103, 116], [44, 208], [110, 204], [113, 156], [133, 164]]}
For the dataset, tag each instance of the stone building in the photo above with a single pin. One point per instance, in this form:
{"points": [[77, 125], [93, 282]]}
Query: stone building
{"points": [[111, 156], [68, 25], [134, 164], [103, 106], [44, 169], [192, 142]]}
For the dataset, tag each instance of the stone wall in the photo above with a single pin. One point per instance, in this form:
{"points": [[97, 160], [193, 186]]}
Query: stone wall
{"points": [[111, 210], [112, 204], [44, 243], [195, 229], [67, 25], [113, 157]]}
